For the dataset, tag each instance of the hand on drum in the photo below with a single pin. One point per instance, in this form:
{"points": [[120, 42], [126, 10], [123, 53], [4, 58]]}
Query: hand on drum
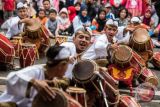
{"points": [[43, 89], [114, 46], [72, 59]]}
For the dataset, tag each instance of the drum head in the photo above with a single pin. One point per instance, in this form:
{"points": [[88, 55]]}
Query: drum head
{"points": [[75, 90], [34, 25], [141, 36], [83, 70], [59, 101], [123, 54]]}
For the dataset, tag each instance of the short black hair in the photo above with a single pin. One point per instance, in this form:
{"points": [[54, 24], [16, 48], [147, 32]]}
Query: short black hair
{"points": [[46, 0], [123, 8], [52, 11], [52, 52]]}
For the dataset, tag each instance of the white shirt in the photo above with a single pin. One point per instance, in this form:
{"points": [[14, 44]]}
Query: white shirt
{"points": [[72, 49], [17, 83], [14, 29], [98, 48]]}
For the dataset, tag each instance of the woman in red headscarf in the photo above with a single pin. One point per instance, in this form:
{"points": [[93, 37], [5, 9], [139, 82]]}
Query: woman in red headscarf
{"points": [[72, 13]]}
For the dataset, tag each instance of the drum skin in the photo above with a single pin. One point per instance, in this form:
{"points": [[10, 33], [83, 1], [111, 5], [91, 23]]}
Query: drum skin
{"points": [[140, 40], [62, 99], [7, 51], [148, 76]]}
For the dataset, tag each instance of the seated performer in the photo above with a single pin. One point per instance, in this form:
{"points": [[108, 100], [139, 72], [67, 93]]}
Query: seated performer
{"points": [[39, 77], [17, 28]]}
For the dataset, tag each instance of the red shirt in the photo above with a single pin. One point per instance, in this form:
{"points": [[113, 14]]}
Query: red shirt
{"points": [[8, 5]]}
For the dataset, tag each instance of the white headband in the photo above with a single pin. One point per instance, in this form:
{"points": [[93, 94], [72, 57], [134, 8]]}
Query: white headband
{"points": [[63, 54]]}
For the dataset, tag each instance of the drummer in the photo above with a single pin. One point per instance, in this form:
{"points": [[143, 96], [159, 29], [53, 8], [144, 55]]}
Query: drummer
{"points": [[81, 42], [17, 28], [40, 77]]}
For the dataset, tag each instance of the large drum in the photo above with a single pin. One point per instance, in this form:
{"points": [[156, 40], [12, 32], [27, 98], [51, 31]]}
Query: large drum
{"points": [[148, 76], [27, 55], [140, 40], [156, 60], [79, 94], [7, 51], [127, 101], [36, 33], [62, 99], [85, 72]]}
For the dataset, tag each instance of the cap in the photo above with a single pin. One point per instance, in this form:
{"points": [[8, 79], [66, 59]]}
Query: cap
{"points": [[135, 20], [21, 5], [108, 5], [112, 22]]}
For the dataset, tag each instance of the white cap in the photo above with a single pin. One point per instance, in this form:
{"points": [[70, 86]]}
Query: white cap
{"points": [[112, 22], [21, 5], [79, 28], [108, 5], [63, 54], [135, 20]]}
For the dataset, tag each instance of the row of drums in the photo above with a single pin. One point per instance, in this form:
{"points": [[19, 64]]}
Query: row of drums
{"points": [[16, 48], [76, 97]]}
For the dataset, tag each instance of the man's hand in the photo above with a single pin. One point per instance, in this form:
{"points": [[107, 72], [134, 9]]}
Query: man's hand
{"points": [[72, 59], [43, 89]]}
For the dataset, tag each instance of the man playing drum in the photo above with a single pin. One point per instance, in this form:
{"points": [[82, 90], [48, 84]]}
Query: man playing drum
{"points": [[40, 77], [17, 28]]}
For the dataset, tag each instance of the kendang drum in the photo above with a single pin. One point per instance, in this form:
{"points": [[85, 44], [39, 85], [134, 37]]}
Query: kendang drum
{"points": [[124, 57], [140, 40], [27, 54], [156, 60], [128, 101], [17, 42], [7, 51], [79, 94], [85, 72], [62, 99], [36, 33], [148, 76]]}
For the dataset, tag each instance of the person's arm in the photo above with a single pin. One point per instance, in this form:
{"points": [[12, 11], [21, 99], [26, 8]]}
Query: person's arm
{"points": [[43, 89]]}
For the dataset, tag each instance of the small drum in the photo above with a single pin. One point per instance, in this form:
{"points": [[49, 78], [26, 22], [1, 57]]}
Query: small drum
{"points": [[79, 94], [84, 73], [123, 56], [148, 76], [7, 51], [62, 99], [140, 40], [156, 59], [60, 39], [128, 101], [17, 42], [27, 55]]}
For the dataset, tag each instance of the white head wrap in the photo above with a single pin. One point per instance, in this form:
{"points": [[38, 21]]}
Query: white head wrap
{"points": [[63, 54], [112, 22]]}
